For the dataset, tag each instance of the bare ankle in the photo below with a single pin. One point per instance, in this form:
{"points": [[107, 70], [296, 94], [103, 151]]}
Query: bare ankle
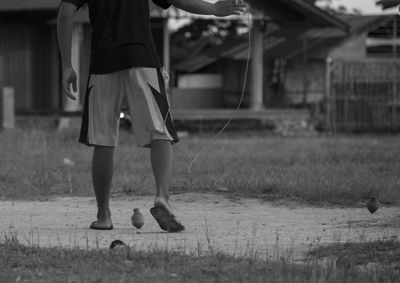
{"points": [[163, 197], [162, 200], [104, 215]]}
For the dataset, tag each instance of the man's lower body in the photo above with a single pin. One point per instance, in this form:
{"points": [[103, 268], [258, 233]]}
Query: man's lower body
{"points": [[143, 89]]}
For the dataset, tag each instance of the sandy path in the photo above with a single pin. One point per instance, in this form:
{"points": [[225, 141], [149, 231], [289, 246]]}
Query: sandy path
{"points": [[234, 225]]}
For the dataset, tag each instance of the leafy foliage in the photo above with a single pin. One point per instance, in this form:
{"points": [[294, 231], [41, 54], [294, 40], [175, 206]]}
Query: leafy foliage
{"points": [[200, 34], [328, 5]]}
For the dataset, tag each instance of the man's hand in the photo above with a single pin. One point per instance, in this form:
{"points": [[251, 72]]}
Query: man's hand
{"points": [[225, 8], [221, 8], [69, 78], [64, 32]]}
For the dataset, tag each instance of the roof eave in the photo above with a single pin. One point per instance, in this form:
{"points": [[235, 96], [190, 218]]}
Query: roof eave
{"points": [[328, 19], [32, 9], [382, 20]]}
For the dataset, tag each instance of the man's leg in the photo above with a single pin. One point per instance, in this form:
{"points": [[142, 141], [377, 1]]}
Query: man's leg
{"points": [[102, 174], [161, 162]]}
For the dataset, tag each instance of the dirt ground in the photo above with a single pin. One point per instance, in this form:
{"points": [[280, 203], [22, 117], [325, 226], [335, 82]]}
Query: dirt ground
{"points": [[233, 225]]}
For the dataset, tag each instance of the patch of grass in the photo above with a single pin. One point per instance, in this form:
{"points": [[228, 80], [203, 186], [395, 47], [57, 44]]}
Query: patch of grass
{"points": [[339, 170], [385, 251], [32, 264]]}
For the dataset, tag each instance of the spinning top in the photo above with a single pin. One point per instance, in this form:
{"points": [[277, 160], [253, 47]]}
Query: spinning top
{"points": [[372, 205], [137, 218]]}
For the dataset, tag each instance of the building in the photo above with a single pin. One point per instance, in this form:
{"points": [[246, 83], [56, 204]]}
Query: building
{"points": [[30, 62], [275, 23], [294, 59], [29, 55]]}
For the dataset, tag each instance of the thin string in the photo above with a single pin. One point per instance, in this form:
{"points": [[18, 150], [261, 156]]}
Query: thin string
{"points": [[194, 159]]}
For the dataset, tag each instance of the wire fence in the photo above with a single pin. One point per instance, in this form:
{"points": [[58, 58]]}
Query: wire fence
{"points": [[363, 95]]}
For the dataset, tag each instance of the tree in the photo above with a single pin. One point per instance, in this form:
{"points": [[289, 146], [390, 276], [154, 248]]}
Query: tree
{"points": [[200, 34], [328, 6]]}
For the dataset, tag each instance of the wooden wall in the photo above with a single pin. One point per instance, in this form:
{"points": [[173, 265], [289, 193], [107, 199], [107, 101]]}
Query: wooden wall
{"points": [[294, 83], [46, 69], [30, 64], [16, 51], [233, 74], [353, 48]]}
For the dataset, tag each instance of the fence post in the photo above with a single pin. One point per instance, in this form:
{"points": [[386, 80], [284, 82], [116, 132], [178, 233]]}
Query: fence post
{"points": [[328, 86], [394, 74], [7, 108], [1, 93], [1, 109]]}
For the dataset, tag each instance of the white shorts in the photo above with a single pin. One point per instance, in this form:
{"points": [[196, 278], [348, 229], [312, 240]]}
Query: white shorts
{"points": [[143, 89]]}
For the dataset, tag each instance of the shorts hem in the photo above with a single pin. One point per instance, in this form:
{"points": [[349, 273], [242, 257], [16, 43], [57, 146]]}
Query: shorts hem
{"points": [[148, 145], [87, 143]]}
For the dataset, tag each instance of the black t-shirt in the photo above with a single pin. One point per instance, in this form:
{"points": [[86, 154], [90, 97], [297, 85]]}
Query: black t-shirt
{"points": [[121, 34]]}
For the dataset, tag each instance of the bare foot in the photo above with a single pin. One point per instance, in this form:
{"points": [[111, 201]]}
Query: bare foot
{"points": [[162, 213], [102, 222], [159, 201], [97, 225]]}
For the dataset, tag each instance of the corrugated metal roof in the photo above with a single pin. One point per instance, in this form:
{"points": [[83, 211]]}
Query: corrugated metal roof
{"points": [[387, 4], [297, 10], [288, 41], [360, 22], [23, 5], [357, 24], [20, 5], [313, 13], [82, 16], [320, 41], [32, 5]]}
